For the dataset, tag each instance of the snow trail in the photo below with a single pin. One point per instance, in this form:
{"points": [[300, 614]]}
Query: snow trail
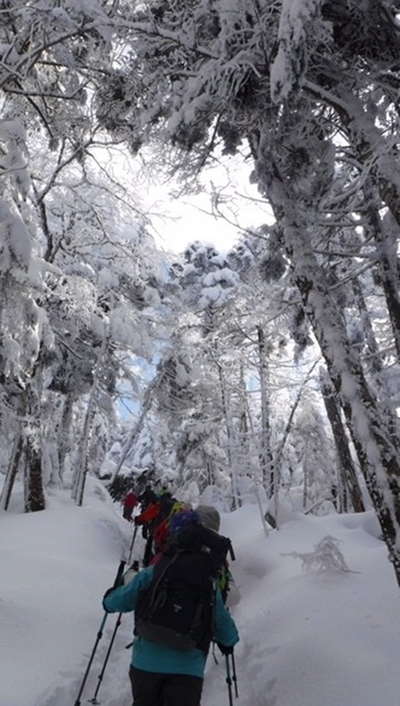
{"points": [[307, 639]]}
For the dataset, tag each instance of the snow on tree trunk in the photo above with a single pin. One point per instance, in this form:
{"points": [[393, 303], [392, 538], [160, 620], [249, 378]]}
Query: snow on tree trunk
{"points": [[236, 502], [347, 471], [286, 433], [387, 262], [34, 498], [306, 473], [378, 457], [266, 459], [79, 486], [64, 440], [382, 180], [375, 359]]}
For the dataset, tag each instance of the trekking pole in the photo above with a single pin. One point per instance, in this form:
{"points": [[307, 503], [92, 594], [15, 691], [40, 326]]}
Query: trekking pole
{"points": [[228, 679], [94, 700], [234, 676], [132, 544], [99, 635]]}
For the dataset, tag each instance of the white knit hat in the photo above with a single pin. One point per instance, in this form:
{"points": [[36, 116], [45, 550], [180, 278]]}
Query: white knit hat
{"points": [[209, 517]]}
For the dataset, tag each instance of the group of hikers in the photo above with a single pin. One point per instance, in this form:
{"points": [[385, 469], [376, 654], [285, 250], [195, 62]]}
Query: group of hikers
{"points": [[178, 598]]}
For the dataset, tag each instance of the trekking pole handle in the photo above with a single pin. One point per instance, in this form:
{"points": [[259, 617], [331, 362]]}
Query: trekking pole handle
{"points": [[231, 552]]}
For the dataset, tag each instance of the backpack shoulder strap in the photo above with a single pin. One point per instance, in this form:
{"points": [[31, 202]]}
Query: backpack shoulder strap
{"points": [[160, 571]]}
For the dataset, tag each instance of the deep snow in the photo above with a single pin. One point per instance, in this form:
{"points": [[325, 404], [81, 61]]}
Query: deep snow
{"points": [[307, 639]]}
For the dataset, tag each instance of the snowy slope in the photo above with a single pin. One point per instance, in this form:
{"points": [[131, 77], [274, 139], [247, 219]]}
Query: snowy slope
{"points": [[328, 639], [308, 639]]}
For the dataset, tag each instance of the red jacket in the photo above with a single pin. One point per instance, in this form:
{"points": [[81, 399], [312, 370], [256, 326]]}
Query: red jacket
{"points": [[130, 500], [149, 514]]}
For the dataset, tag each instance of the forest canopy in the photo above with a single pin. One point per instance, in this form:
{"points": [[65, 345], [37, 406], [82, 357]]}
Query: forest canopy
{"points": [[272, 368]]}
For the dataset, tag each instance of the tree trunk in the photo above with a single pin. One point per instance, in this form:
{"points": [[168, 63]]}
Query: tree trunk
{"points": [[266, 459], [378, 457], [288, 428], [305, 476], [12, 471], [347, 470], [374, 358], [236, 502], [382, 184], [244, 440], [80, 480], [387, 265], [34, 493], [64, 438]]}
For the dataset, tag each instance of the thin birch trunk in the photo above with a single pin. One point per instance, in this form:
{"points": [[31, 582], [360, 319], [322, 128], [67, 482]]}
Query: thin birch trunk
{"points": [[229, 434], [266, 459], [288, 428], [79, 482], [64, 437], [305, 477], [243, 421], [79, 486], [255, 481]]}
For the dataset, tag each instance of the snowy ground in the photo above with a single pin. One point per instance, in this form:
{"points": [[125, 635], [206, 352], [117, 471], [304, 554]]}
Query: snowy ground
{"points": [[307, 639]]}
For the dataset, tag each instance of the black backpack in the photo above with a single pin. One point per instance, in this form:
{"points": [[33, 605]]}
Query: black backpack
{"points": [[177, 610]]}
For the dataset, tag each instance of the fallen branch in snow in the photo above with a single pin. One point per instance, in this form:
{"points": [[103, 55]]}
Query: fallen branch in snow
{"points": [[326, 557]]}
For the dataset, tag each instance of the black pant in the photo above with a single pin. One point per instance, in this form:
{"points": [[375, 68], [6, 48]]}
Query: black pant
{"points": [[155, 689]]}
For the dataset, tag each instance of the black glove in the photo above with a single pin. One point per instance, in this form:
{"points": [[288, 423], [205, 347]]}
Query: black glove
{"points": [[225, 649], [137, 521]]}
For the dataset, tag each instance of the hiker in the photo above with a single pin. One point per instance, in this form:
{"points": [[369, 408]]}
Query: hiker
{"points": [[168, 661], [129, 504], [147, 497], [151, 518], [179, 515], [209, 517]]}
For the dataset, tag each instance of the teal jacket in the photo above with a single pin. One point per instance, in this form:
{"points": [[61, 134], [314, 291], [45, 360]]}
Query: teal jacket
{"points": [[153, 657]]}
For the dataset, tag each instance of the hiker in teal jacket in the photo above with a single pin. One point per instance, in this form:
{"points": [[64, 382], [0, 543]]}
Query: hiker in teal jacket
{"points": [[161, 675]]}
